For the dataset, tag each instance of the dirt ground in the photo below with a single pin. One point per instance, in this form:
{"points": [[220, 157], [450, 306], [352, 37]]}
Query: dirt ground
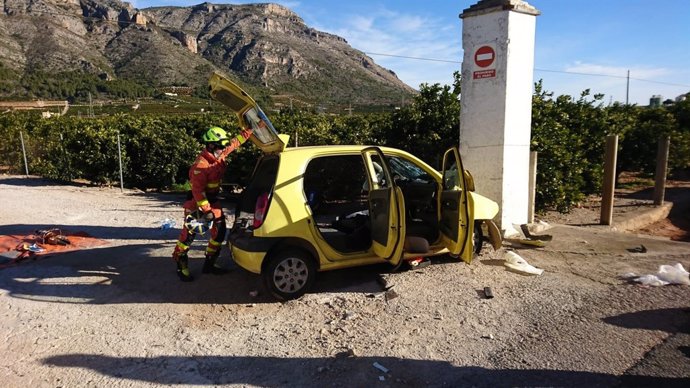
{"points": [[117, 315], [633, 200]]}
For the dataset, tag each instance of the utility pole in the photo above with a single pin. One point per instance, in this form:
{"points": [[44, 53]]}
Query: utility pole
{"points": [[627, 89], [90, 106]]}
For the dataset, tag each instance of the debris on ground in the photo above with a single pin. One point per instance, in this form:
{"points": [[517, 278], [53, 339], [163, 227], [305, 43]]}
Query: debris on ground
{"points": [[529, 235], [488, 294], [667, 274], [380, 367], [52, 236], [168, 223], [640, 249], [419, 263], [390, 294], [529, 239], [44, 242], [515, 262], [34, 248]]}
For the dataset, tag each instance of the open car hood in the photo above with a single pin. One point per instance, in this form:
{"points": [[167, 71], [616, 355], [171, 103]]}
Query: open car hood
{"points": [[248, 113]]}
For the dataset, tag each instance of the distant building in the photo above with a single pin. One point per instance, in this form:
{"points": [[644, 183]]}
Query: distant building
{"points": [[177, 90], [655, 101], [28, 105]]}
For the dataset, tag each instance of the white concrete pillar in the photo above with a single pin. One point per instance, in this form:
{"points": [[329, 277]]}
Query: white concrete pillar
{"points": [[497, 82]]}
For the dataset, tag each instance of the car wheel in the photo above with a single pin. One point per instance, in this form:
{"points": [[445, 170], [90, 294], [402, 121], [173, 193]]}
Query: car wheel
{"points": [[396, 267], [289, 274], [478, 237]]}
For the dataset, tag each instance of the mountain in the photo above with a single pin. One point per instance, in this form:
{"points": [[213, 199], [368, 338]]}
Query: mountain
{"points": [[266, 47]]}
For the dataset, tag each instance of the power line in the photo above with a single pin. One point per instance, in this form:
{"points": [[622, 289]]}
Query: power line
{"points": [[537, 69], [611, 76], [417, 58]]}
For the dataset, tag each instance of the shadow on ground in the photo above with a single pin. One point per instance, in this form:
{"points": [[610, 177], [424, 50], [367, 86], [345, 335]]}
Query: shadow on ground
{"points": [[32, 181], [337, 371], [135, 232], [679, 216], [672, 321], [145, 273]]}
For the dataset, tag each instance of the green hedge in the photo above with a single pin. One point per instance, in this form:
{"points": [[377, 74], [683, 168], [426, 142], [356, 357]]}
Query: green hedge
{"points": [[569, 135], [156, 150]]}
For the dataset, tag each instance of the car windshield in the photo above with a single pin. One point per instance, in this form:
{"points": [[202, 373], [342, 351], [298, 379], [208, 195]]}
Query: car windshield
{"points": [[408, 170], [260, 124]]}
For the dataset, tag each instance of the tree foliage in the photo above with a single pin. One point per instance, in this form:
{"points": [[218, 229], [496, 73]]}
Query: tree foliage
{"points": [[430, 124], [569, 135], [74, 86]]}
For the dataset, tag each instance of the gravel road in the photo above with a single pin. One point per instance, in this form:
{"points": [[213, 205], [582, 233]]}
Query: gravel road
{"points": [[117, 316]]}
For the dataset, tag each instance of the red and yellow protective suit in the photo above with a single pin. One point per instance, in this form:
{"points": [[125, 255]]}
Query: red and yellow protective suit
{"points": [[205, 176]]}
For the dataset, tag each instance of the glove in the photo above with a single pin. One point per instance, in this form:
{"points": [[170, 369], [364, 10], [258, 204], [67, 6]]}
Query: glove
{"points": [[244, 135]]}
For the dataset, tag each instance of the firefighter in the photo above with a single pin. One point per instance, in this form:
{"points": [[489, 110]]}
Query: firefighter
{"points": [[205, 176]]}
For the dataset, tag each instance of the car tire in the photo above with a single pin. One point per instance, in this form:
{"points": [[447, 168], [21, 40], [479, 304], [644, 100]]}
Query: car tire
{"points": [[289, 274], [396, 267]]}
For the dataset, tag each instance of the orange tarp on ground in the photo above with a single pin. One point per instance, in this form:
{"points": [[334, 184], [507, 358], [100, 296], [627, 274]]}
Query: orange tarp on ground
{"points": [[78, 240]]}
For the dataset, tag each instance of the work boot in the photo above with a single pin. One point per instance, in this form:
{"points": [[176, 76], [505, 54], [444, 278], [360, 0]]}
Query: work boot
{"points": [[211, 267], [183, 268]]}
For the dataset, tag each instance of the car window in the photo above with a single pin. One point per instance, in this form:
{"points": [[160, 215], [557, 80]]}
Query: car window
{"points": [[406, 170], [334, 178], [261, 125], [450, 177]]}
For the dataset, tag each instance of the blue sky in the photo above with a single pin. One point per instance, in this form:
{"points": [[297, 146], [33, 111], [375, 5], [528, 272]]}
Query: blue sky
{"points": [[651, 39]]}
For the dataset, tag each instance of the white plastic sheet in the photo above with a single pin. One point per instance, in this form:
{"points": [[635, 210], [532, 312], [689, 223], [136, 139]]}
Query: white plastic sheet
{"points": [[667, 274], [517, 263]]}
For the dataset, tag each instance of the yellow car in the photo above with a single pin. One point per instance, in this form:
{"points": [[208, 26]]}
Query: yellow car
{"points": [[311, 209]]}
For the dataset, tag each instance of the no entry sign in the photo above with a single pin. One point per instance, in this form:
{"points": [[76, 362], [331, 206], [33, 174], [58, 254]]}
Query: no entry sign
{"points": [[484, 56], [485, 61]]}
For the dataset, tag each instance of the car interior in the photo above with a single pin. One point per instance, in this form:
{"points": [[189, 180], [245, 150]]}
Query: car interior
{"points": [[262, 182], [336, 189]]}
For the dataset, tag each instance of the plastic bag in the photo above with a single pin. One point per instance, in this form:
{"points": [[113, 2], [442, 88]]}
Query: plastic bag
{"points": [[674, 274], [667, 274], [167, 224], [650, 280]]}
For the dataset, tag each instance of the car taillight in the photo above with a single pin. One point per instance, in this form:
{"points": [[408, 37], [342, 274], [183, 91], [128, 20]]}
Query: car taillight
{"points": [[260, 210]]}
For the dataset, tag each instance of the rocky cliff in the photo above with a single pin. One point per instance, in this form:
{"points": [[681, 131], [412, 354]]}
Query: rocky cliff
{"points": [[265, 45]]}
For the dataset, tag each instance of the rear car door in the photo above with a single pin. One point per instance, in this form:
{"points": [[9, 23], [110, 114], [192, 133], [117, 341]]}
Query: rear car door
{"points": [[386, 207], [454, 218]]}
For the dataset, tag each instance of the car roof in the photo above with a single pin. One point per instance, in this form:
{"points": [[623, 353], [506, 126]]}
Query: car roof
{"points": [[350, 148], [309, 152]]}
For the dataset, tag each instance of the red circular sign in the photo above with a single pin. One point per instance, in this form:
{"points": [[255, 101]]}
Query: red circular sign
{"points": [[484, 56]]}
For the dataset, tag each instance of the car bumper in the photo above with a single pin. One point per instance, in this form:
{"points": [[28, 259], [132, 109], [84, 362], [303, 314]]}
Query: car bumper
{"points": [[249, 251], [251, 261]]}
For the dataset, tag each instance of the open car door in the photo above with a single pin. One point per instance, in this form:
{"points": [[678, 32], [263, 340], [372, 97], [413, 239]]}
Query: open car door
{"points": [[248, 112], [386, 208], [454, 223]]}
